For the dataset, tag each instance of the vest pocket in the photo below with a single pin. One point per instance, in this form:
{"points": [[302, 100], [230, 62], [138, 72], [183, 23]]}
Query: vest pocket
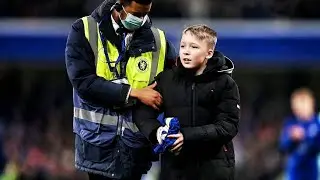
{"points": [[97, 154], [95, 126]]}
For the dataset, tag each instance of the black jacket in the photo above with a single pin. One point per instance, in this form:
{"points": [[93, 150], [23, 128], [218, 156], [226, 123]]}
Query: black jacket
{"points": [[208, 109], [80, 62]]}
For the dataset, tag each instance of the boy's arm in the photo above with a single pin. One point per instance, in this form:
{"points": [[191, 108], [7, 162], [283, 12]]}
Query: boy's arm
{"points": [[225, 126], [286, 143], [145, 118], [310, 144]]}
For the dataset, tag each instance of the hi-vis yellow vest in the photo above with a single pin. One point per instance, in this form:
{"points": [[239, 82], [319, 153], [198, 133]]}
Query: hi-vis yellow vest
{"points": [[140, 71]]}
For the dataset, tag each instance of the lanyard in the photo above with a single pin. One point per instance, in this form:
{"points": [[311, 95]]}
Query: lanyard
{"points": [[121, 54]]}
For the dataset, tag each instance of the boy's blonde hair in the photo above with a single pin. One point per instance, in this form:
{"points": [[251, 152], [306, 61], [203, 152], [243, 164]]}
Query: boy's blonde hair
{"points": [[203, 32], [302, 91]]}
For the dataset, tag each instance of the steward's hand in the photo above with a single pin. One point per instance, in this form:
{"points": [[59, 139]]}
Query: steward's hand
{"points": [[148, 96]]}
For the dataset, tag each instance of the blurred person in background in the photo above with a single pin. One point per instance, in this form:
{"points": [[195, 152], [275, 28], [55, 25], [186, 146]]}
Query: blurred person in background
{"points": [[203, 96], [111, 57], [300, 138]]}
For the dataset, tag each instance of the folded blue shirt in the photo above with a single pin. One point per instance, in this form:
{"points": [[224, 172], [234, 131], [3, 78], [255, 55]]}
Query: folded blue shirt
{"points": [[174, 128]]}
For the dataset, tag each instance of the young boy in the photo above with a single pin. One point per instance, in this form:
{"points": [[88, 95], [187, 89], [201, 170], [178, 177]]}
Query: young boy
{"points": [[201, 93], [300, 138]]}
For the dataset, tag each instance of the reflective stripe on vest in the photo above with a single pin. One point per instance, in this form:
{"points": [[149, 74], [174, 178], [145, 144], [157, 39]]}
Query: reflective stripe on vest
{"points": [[102, 119], [91, 35], [155, 54]]}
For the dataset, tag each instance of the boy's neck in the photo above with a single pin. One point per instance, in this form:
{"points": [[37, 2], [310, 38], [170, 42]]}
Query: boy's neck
{"points": [[200, 70]]}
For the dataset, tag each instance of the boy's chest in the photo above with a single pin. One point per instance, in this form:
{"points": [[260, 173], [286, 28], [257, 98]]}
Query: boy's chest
{"points": [[311, 129], [190, 94]]}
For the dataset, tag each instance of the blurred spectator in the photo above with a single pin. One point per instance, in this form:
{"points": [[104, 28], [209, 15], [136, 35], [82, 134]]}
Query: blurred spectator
{"points": [[301, 136], [195, 9]]}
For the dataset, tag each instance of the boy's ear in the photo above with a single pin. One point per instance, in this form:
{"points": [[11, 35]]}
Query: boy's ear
{"points": [[210, 54]]}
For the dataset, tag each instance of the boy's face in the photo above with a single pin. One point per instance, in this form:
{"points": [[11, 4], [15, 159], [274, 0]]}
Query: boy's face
{"points": [[194, 52], [302, 106]]}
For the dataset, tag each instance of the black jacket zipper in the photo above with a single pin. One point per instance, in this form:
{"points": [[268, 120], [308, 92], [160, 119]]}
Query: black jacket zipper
{"points": [[193, 101]]}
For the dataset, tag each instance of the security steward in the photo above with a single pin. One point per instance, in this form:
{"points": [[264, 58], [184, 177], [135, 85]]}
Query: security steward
{"points": [[111, 58]]}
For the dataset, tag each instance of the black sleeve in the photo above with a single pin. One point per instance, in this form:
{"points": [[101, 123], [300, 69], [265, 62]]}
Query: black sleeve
{"points": [[145, 117], [225, 125], [80, 64]]}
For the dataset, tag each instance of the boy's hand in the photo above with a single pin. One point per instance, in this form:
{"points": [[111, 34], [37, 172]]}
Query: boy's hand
{"points": [[177, 146], [148, 96], [297, 133]]}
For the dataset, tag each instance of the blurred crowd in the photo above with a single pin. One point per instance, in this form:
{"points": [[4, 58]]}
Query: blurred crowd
{"points": [[36, 122], [170, 8], [36, 125]]}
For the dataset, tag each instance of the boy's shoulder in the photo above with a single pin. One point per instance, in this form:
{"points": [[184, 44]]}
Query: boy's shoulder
{"points": [[290, 120], [225, 80], [168, 73]]}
